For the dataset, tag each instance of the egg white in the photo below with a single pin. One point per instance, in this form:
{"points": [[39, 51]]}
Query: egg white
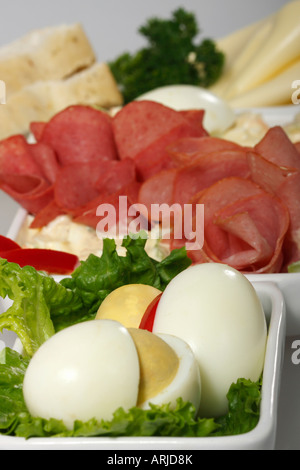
{"points": [[187, 382], [85, 371], [216, 310]]}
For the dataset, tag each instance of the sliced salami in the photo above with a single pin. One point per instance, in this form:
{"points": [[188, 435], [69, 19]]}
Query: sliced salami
{"points": [[46, 215], [16, 157], [276, 147], [31, 192], [184, 151], [206, 170], [45, 158], [237, 231], [143, 130], [80, 134], [37, 129]]}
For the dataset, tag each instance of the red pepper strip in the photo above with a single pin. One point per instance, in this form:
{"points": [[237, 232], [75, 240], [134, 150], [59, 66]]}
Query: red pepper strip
{"points": [[147, 320], [51, 261], [8, 244]]}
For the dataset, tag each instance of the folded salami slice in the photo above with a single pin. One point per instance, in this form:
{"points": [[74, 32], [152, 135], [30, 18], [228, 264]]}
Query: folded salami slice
{"points": [[143, 130], [109, 206], [184, 151], [244, 226], [289, 193], [79, 134], [267, 174], [45, 158], [157, 190], [47, 214], [78, 183], [276, 147], [37, 128], [206, 170], [30, 191], [16, 157]]}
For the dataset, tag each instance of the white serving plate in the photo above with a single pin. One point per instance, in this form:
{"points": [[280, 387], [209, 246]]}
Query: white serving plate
{"points": [[280, 294], [263, 436]]}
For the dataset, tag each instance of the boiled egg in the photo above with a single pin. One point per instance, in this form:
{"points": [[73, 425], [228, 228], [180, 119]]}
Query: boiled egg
{"points": [[168, 369], [216, 310], [91, 369], [127, 304], [85, 371], [218, 115]]}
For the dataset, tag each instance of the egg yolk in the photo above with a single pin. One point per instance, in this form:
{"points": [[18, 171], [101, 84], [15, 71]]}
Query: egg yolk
{"points": [[158, 363], [127, 304]]}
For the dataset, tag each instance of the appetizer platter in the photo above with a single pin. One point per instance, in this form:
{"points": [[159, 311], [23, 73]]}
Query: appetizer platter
{"points": [[200, 299]]}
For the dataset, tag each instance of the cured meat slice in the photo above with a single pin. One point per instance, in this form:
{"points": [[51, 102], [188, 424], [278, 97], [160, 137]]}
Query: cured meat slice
{"points": [[78, 183], [143, 130], [276, 147], [48, 213], [237, 231], [45, 158], [289, 193], [267, 174], [16, 157], [195, 118], [89, 213], [157, 190], [118, 173], [297, 145], [31, 192], [37, 128], [80, 134], [206, 170], [184, 151]]}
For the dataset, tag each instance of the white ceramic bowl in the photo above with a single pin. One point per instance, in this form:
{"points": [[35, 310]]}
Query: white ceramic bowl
{"points": [[261, 437]]}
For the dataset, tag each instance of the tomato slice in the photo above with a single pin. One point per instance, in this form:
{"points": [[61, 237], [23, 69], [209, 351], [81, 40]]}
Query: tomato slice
{"points": [[149, 315]]}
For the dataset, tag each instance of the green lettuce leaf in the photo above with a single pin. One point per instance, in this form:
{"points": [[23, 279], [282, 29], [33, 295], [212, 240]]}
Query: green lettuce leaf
{"points": [[36, 298], [96, 277]]}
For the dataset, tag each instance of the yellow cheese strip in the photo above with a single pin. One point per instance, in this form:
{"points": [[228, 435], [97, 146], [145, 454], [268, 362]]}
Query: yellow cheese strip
{"points": [[260, 52], [273, 48], [275, 92]]}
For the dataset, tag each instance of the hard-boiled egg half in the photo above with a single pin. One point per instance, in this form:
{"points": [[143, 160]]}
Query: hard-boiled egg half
{"points": [[91, 369], [216, 310], [218, 115], [127, 304]]}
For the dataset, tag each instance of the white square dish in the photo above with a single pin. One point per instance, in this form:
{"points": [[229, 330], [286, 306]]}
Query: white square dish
{"points": [[261, 437]]}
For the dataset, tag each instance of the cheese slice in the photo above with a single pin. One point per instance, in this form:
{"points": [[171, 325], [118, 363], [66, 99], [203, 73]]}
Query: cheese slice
{"points": [[275, 92], [258, 54]]}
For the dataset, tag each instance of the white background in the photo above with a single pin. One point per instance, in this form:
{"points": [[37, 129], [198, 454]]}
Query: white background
{"points": [[111, 26]]}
